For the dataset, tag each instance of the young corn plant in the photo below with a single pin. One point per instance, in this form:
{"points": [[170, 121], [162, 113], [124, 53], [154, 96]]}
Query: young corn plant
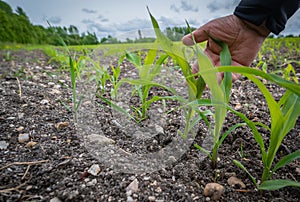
{"points": [[148, 70], [284, 115], [220, 93]]}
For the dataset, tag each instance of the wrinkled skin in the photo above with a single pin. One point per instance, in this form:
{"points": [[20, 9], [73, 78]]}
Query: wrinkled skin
{"points": [[243, 39]]}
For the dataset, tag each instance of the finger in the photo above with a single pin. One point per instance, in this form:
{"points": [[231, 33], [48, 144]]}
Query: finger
{"points": [[199, 36]]}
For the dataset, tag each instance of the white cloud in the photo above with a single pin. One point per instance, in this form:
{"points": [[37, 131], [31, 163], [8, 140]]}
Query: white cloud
{"points": [[89, 11], [186, 6], [217, 5]]}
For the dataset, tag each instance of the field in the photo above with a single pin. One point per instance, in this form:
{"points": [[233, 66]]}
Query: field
{"points": [[64, 138]]}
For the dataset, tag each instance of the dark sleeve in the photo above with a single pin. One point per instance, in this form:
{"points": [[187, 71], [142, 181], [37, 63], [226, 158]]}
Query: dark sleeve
{"points": [[274, 13]]}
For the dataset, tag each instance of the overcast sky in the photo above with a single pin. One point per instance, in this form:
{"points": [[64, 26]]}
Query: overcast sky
{"points": [[122, 19]]}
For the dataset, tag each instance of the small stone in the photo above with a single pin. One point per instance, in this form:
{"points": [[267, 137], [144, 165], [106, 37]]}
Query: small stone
{"points": [[29, 187], [20, 115], [158, 190], [51, 84], [55, 199], [55, 92], [3, 145], [151, 198], [92, 183], [24, 137], [146, 178], [30, 144], [129, 199], [159, 129], [171, 160], [160, 110], [100, 139], [234, 181], [19, 129], [298, 171], [94, 169], [133, 186], [57, 86], [213, 190], [238, 106], [44, 102], [154, 183], [61, 125]]}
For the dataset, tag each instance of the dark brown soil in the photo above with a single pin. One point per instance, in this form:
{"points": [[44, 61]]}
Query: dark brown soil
{"points": [[53, 162]]}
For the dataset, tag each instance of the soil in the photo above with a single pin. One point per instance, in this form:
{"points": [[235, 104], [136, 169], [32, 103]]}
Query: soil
{"points": [[53, 161]]}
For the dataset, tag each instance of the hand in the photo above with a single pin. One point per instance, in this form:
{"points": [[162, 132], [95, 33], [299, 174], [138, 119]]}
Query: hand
{"points": [[243, 39]]}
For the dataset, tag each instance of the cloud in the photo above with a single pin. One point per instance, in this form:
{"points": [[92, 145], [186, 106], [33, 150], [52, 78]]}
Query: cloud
{"points": [[89, 11], [54, 20], [184, 6], [102, 19], [134, 24], [169, 22], [221, 4], [292, 26], [173, 7], [188, 7]]}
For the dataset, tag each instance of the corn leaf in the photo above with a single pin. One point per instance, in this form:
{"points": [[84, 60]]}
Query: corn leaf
{"points": [[241, 166], [143, 82], [294, 87], [150, 58], [277, 184], [287, 160], [114, 106], [133, 58], [176, 53]]}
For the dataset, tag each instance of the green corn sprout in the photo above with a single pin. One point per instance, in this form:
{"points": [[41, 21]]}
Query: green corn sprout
{"points": [[284, 114], [220, 93]]}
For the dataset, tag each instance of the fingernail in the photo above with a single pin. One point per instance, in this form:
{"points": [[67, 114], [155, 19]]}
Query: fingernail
{"points": [[187, 41]]}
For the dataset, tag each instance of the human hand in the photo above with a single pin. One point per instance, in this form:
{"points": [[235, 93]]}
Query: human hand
{"points": [[243, 39]]}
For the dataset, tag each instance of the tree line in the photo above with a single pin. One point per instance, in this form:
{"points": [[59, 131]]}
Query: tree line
{"points": [[15, 27]]}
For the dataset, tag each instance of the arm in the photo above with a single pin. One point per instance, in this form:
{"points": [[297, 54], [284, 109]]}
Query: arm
{"points": [[274, 13]]}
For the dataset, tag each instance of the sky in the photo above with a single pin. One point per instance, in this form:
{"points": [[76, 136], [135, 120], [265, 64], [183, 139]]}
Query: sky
{"points": [[122, 19]]}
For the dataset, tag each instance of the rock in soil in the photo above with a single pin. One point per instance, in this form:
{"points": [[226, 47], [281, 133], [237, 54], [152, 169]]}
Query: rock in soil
{"points": [[213, 190]]}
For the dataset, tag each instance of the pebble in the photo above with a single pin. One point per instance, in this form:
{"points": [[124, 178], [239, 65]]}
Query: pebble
{"points": [[3, 145], [61, 125], [19, 129], [24, 137], [30, 144], [100, 139], [158, 190], [57, 86], [234, 181], [151, 198], [159, 129], [44, 102], [92, 183], [132, 187], [55, 199], [51, 84], [213, 190], [55, 91], [94, 169], [146, 178], [129, 199]]}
